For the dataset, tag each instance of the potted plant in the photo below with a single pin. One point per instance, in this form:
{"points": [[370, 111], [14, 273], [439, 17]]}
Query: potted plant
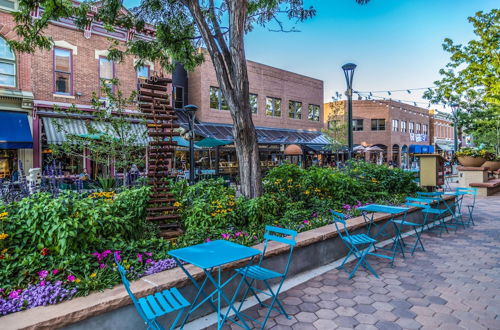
{"points": [[471, 157], [492, 162]]}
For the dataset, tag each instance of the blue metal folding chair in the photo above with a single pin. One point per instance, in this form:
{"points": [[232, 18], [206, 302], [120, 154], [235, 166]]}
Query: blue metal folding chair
{"points": [[424, 204], [155, 305], [353, 242], [256, 272], [470, 207], [440, 210]]}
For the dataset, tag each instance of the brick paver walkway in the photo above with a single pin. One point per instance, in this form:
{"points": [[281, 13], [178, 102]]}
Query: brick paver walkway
{"points": [[455, 284]]}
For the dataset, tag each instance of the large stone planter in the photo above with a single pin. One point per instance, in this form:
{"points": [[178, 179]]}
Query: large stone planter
{"points": [[493, 165], [469, 161]]}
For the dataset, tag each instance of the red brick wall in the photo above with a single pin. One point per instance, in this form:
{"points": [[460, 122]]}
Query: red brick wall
{"points": [[264, 81], [85, 68], [23, 60]]}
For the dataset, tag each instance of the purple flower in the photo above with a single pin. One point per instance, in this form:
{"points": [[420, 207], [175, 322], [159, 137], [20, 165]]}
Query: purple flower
{"points": [[238, 234], [71, 278], [208, 240], [117, 255], [314, 215], [14, 294], [102, 266], [148, 261], [226, 236], [306, 222], [159, 266], [346, 207], [139, 257], [42, 283], [149, 254], [43, 273]]}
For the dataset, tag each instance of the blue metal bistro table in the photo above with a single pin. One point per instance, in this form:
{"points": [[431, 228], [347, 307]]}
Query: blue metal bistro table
{"points": [[368, 214], [209, 256]]}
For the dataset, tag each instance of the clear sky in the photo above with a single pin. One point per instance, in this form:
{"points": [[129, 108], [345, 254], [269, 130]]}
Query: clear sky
{"points": [[395, 43]]}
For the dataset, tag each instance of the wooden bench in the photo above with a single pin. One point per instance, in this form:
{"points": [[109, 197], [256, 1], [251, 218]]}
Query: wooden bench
{"points": [[487, 188]]}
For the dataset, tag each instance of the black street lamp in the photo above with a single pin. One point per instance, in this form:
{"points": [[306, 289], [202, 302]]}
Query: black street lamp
{"points": [[455, 110], [349, 73], [190, 110]]}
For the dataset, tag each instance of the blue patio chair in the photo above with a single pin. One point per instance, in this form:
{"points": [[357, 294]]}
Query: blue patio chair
{"points": [[439, 213], [470, 207], [256, 272], [155, 305], [425, 205], [353, 242]]}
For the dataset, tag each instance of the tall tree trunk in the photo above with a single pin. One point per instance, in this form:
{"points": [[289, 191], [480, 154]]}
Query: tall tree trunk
{"points": [[231, 70]]}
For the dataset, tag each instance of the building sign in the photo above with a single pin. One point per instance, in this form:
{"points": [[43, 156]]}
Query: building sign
{"points": [[418, 137]]}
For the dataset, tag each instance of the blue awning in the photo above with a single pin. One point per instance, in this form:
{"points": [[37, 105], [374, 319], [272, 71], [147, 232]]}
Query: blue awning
{"points": [[421, 149], [15, 131]]}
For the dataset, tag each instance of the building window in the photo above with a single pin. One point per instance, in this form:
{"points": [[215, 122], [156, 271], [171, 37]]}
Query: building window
{"points": [[357, 124], [143, 72], [7, 65], [62, 70], [295, 109], [417, 128], [8, 4], [178, 97], [217, 100], [425, 129], [313, 112], [410, 128], [254, 102], [106, 73], [273, 106], [395, 125], [403, 126], [378, 124]]}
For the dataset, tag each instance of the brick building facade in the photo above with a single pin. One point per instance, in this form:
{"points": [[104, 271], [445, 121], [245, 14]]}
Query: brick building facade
{"points": [[16, 99], [392, 126], [300, 97], [441, 132], [288, 105]]}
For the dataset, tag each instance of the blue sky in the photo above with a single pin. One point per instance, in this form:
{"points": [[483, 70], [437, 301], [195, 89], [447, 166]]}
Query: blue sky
{"points": [[395, 43]]}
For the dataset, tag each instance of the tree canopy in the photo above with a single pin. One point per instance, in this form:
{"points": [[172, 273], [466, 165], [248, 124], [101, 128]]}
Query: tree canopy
{"points": [[472, 80]]}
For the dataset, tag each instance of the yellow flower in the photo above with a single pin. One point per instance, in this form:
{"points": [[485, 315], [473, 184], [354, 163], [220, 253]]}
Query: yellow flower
{"points": [[307, 192], [78, 280], [5, 251], [213, 214], [4, 214], [177, 204], [93, 275], [289, 180], [127, 266], [3, 236]]}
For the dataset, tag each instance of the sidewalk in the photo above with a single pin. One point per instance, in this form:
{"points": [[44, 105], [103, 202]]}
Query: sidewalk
{"points": [[455, 284]]}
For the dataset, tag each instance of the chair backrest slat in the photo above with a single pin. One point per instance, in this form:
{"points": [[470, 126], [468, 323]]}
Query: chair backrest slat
{"points": [[339, 218], [424, 203], [271, 234]]}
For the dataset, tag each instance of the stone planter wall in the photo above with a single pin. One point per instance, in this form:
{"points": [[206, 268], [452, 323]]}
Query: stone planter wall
{"points": [[112, 309]]}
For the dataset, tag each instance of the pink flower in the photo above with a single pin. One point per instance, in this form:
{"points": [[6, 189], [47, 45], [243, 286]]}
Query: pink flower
{"points": [[306, 222], [102, 266], [43, 273], [105, 253], [14, 294], [71, 278], [148, 261], [139, 257], [226, 236], [42, 283], [238, 234], [55, 271], [117, 255], [98, 255], [149, 254], [208, 240]]}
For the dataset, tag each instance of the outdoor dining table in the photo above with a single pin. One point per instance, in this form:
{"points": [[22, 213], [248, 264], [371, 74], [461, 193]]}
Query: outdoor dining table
{"points": [[368, 212], [210, 256]]}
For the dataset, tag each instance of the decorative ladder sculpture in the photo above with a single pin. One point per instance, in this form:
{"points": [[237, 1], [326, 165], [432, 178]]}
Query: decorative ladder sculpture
{"points": [[155, 107]]}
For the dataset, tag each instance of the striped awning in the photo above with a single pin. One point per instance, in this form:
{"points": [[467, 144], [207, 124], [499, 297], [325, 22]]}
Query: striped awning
{"points": [[57, 129]]}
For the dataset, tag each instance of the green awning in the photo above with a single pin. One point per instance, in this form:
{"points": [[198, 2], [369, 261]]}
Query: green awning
{"points": [[57, 129], [212, 142]]}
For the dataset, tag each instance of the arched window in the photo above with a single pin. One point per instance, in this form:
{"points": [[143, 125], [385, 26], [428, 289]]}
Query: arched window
{"points": [[7, 65]]}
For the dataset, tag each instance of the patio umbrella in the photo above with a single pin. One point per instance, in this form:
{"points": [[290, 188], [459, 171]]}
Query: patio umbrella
{"points": [[374, 148], [359, 148], [212, 142]]}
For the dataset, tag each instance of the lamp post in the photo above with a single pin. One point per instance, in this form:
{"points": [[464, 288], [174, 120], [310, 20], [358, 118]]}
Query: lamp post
{"points": [[190, 110], [455, 111], [349, 73]]}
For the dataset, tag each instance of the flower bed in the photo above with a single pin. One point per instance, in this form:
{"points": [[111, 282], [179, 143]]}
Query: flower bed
{"points": [[56, 248]]}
